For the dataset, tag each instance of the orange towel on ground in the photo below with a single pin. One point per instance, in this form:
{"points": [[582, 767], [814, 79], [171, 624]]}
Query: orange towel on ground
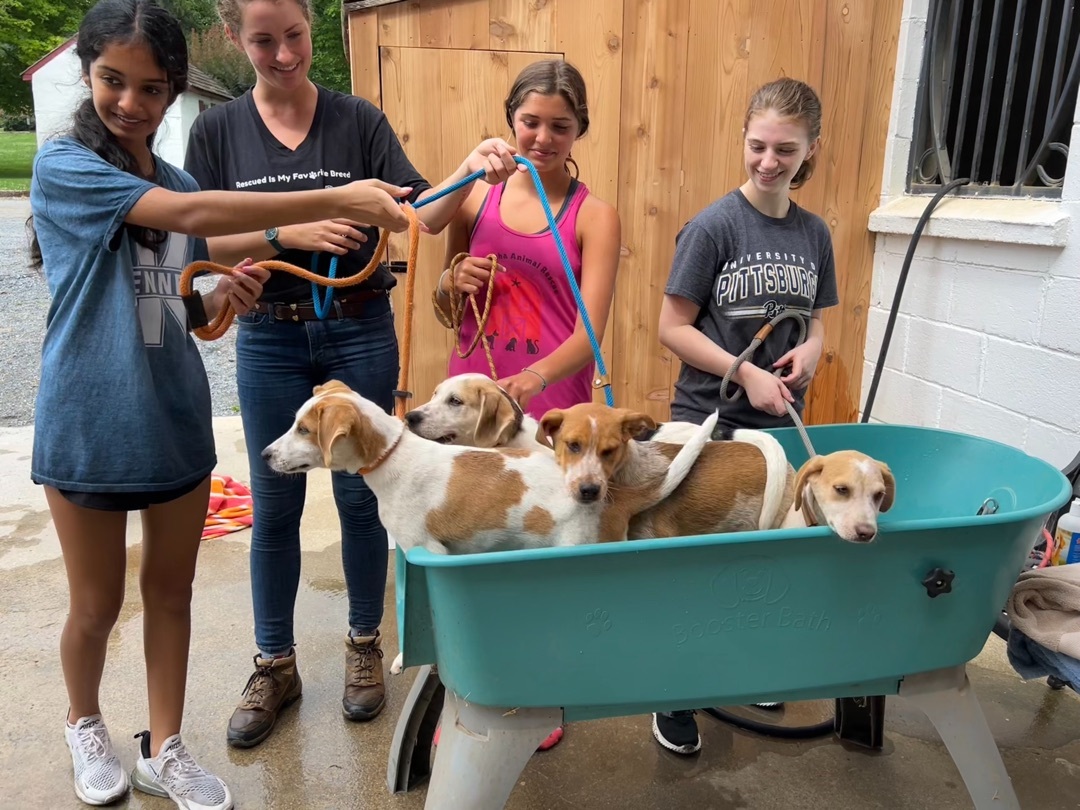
{"points": [[230, 507]]}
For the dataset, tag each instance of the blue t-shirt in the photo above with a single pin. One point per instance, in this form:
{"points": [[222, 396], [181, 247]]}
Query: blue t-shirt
{"points": [[124, 402]]}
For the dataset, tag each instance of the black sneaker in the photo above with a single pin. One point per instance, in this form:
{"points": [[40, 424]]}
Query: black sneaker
{"points": [[677, 731]]}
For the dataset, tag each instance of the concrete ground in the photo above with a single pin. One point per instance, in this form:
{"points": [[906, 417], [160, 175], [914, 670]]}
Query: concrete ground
{"points": [[316, 760]]}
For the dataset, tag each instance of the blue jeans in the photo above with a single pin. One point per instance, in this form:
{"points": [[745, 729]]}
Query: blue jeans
{"points": [[277, 365]]}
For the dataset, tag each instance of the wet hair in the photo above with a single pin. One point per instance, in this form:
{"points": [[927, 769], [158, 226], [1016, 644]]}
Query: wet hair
{"points": [[551, 77], [112, 22], [231, 12], [790, 98]]}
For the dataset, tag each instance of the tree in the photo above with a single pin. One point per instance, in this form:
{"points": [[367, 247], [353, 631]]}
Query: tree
{"points": [[29, 29], [329, 67], [194, 15]]}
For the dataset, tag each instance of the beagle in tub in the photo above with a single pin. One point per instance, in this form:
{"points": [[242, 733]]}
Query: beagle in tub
{"points": [[472, 410], [845, 491], [460, 500], [745, 484]]}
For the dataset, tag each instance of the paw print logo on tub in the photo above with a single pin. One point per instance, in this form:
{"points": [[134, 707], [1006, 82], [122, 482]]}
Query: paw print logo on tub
{"points": [[756, 579], [597, 622], [869, 617]]}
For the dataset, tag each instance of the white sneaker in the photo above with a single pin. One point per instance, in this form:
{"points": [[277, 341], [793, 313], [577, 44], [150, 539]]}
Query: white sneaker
{"points": [[99, 779], [175, 774]]}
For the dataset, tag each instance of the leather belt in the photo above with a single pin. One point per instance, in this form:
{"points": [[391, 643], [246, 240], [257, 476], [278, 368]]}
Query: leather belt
{"points": [[353, 305]]}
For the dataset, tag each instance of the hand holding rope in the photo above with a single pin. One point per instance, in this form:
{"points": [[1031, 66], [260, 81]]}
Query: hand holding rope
{"points": [[457, 311], [748, 354]]}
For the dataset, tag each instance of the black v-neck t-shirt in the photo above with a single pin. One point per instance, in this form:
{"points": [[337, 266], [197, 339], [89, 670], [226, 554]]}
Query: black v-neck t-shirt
{"points": [[230, 148]]}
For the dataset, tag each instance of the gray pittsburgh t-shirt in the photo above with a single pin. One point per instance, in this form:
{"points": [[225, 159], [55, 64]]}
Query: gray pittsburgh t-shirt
{"points": [[742, 268]]}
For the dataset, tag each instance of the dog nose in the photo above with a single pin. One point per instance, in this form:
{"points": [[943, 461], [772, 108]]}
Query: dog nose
{"points": [[413, 418], [865, 532], [589, 492], [266, 453]]}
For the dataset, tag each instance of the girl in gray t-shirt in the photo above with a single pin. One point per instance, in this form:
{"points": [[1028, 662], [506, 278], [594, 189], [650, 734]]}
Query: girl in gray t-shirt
{"points": [[741, 261]]}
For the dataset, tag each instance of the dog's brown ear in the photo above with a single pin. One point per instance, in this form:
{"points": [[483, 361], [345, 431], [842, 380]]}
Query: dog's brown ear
{"points": [[635, 423], [890, 487], [330, 385], [335, 422], [549, 426], [812, 467], [496, 417]]}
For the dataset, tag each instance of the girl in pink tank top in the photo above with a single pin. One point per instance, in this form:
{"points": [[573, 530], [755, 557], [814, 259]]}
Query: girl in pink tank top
{"points": [[541, 353]]}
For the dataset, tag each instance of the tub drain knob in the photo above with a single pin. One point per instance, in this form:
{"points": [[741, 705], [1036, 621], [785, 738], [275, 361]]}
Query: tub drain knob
{"points": [[938, 581]]}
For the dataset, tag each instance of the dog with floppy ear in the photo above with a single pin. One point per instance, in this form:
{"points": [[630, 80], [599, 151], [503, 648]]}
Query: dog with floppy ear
{"points": [[471, 410], [595, 445], [845, 491]]}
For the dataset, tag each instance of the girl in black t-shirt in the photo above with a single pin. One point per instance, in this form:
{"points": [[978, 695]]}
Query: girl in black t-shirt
{"points": [[287, 133]]}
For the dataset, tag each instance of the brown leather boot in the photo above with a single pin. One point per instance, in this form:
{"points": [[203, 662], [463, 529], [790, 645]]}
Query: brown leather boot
{"points": [[274, 685], [365, 694]]}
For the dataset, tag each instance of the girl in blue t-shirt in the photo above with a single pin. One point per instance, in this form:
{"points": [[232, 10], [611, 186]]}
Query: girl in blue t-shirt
{"points": [[123, 417]]}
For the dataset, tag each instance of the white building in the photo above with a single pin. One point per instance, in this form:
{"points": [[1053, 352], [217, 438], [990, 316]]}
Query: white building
{"points": [[987, 340], [57, 85]]}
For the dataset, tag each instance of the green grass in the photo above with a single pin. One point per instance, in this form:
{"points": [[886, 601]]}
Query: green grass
{"points": [[16, 154]]}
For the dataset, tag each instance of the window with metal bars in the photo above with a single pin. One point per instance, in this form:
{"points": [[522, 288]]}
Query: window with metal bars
{"points": [[997, 95]]}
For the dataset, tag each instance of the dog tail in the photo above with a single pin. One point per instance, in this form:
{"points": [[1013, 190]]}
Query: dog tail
{"points": [[684, 461], [776, 474]]}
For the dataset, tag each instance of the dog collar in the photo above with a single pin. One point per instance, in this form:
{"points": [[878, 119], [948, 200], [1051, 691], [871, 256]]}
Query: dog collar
{"points": [[379, 461]]}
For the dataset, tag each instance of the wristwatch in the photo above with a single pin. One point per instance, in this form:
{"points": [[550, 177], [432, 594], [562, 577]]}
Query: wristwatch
{"points": [[271, 237]]}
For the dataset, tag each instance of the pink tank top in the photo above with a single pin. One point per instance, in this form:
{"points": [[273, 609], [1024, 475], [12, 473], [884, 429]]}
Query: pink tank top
{"points": [[533, 309]]}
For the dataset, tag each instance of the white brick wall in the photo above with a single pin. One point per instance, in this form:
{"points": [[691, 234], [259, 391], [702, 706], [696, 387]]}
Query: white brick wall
{"points": [[987, 340]]}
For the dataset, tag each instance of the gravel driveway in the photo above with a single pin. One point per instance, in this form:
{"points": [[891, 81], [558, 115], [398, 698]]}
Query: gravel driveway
{"points": [[24, 300]]}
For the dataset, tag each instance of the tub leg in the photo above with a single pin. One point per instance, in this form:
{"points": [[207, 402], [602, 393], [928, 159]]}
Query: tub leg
{"points": [[482, 752], [410, 749], [949, 701]]}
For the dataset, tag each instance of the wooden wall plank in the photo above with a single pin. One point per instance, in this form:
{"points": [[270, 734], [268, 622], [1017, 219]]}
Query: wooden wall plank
{"points": [[399, 24], [522, 25], [717, 90], [847, 61], [860, 70], [364, 55], [653, 99], [590, 36], [454, 23]]}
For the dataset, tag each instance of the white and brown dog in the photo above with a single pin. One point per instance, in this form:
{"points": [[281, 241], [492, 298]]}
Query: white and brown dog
{"points": [[741, 485], [472, 410], [845, 491], [460, 500]]}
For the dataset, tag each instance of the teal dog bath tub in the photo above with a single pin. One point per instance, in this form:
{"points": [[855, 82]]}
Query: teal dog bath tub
{"points": [[524, 638]]}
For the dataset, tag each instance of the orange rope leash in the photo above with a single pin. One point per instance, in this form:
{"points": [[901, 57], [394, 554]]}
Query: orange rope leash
{"points": [[212, 330], [457, 311]]}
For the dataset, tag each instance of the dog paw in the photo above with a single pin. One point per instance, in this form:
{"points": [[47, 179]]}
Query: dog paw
{"points": [[597, 622], [398, 665]]}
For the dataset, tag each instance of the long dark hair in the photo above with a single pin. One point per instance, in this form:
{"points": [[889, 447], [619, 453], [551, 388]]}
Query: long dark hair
{"points": [[112, 22]]}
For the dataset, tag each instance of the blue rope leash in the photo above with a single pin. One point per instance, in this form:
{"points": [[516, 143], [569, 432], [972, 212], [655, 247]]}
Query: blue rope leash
{"points": [[322, 307], [322, 298]]}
